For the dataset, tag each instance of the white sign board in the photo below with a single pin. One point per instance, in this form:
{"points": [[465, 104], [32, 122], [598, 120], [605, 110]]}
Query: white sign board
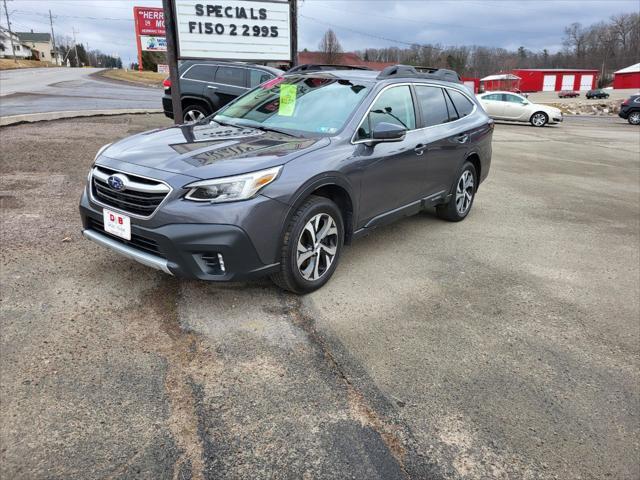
{"points": [[233, 29], [153, 44]]}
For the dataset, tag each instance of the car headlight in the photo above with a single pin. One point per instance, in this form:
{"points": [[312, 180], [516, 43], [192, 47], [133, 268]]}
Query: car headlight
{"points": [[231, 189]]}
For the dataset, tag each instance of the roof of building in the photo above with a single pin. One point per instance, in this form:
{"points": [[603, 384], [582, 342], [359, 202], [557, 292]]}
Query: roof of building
{"points": [[34, 37], [630, 69], [347, 58], [556, 69], [500, 76]]}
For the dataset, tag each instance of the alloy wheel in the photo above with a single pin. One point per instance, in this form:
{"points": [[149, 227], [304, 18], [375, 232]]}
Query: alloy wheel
{"points": [[464, 192], [317, 246], [634, 118], [193, 116], [539, 119]]}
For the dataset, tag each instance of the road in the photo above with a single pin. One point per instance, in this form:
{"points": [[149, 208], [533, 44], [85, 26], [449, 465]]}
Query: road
{"points": [[36, 90], [505, 346]]}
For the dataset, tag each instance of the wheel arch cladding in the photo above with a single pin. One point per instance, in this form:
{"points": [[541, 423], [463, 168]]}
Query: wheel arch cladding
{"points": [[474, 159], [186, 101]]}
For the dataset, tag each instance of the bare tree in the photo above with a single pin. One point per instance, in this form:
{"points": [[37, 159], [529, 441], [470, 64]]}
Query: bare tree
{"points": [[330, 46]]}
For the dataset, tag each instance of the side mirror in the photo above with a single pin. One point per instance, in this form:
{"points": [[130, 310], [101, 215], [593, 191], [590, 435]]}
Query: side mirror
{"points": [[388, 132]]}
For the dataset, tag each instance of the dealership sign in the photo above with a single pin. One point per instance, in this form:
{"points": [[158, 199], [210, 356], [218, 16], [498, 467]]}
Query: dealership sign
{"points": [[233, 29], [150, 31]]}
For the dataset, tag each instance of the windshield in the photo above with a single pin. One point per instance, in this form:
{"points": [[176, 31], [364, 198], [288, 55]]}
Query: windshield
{"points": [[316, 105]]}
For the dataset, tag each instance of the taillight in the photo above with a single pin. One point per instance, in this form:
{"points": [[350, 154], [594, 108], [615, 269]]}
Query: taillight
{"points": [[166, 83], [627, 101]]}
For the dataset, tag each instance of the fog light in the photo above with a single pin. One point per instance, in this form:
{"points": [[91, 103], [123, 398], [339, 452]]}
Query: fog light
{"points": [[221, 263]]}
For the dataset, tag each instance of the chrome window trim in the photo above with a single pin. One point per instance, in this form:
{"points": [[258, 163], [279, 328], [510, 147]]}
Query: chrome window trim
{"points": [[119, 210], [182, 77], [423, 84]]}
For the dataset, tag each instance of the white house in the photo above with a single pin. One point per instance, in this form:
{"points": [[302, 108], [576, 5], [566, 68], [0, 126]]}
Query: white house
{"points": [[22, 51]]}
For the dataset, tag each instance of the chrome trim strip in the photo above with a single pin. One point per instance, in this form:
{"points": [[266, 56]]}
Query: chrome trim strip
{"points": [[144, 258], [119, 210], [475, 107], [133, 185]]}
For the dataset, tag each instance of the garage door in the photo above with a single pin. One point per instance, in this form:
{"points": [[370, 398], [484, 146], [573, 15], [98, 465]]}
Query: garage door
{"points": [[567, 82], [586, 82], [549, 83]]}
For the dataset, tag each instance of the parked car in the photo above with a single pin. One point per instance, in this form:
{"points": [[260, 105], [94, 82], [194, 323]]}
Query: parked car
{"points": [[516, 108], [568, 94], [207, 86], [630, 109], [598, 93], [279, 180]]}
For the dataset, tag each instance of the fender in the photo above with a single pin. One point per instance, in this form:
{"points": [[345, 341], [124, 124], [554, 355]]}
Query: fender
{"points": [[199, 100]]}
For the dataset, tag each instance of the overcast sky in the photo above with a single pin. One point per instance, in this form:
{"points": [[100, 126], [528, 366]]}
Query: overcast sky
{"points": [[536, 24]]}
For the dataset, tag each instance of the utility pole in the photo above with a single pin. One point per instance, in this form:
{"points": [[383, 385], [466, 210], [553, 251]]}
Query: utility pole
{"points": [[13, 48], [75, 45], [53, 39], [172, 59]]}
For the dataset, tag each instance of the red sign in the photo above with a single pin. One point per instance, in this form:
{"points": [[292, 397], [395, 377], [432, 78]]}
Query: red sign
{"points": [[149, 21]]}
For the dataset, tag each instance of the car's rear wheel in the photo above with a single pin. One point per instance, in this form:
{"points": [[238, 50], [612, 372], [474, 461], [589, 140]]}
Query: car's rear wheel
{"points": [[634, 118], [194, 113], [464, 192], [311, 246], [539, 119]]}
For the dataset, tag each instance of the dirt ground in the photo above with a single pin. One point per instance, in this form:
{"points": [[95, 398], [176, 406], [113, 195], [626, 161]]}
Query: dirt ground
{"points": [[505, 346]]}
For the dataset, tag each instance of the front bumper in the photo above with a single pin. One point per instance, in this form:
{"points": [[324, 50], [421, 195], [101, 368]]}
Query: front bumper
{"points": [[189, 250]]}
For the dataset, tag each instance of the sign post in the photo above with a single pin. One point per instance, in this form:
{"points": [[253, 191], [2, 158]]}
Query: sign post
{"points": [[232, 30]]}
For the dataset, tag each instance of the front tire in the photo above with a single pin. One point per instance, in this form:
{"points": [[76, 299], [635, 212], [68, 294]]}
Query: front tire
{"points": [[464, 192], [311, 246], [634, 118], [539, 119]]}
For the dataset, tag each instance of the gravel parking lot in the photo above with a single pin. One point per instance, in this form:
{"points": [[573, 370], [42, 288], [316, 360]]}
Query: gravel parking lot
{"points": [[505, 346]]}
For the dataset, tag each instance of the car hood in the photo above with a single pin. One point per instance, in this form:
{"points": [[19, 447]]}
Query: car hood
{"points": [[211, 150]]}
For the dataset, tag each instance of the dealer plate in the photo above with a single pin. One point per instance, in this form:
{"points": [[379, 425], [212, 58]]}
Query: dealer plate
{"points": [[117, 224]]}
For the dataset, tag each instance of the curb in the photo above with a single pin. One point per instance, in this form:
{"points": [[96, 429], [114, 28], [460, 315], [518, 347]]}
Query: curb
{"points": [[45, 116]]}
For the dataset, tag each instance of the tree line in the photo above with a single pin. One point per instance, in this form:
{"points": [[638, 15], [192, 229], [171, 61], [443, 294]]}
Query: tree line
{"points": [[80, 56], [606, 46]]}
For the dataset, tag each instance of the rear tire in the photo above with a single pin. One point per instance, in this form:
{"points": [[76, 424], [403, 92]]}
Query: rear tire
{"points": [[634, 118], [464, 193], [194, 113], [311, 246], [539, 119]]}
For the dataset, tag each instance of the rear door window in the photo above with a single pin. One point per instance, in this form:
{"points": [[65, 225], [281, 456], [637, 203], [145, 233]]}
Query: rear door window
{"points": [[202, 73], [231, 76], [433, 105], [463, 105]]}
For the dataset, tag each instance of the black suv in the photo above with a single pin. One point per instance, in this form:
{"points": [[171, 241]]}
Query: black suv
{"points": [[630, 110], [281, 178], [598, 93], [207, 86]]}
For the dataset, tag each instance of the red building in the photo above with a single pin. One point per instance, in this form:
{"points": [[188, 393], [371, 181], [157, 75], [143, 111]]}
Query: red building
{"points": [[555, 79], [627, 77]]}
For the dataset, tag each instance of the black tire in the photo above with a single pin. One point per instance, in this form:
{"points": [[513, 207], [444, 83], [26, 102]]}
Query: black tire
{"points": [[195, 110], [290, 277], [634, 118], [449, 211], [534, 119]]}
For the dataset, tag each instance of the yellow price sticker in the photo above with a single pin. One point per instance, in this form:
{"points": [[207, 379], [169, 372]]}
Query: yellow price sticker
{"points": [[288, 94]]}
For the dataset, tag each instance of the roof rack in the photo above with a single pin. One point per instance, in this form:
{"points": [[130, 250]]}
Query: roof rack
{"points": [[409, 71], [317, 67]]}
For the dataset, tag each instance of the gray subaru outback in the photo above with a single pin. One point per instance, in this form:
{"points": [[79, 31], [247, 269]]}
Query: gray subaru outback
{"points": [[278, 181]]}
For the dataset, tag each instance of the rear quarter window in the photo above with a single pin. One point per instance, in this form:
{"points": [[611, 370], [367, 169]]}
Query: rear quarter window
{"points": [[463, 105]]}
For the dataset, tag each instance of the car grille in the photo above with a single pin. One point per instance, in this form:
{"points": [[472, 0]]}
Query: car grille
{"points": [[137, 241], [141, 196]]}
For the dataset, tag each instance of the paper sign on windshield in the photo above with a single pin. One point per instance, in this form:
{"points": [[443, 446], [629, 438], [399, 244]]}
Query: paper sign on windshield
{"points": [[288, 95]]}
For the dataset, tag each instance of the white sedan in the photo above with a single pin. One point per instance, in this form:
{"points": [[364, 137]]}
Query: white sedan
{"points": [[515, 108]]}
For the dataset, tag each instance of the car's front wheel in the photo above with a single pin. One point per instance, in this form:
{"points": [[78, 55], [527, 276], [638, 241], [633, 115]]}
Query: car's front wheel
{"points": [[539, 119], [634, 118], [311, 246]]}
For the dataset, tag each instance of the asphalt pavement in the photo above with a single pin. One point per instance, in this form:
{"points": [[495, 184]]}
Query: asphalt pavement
{"points": [[36, 90], [504, 346]]}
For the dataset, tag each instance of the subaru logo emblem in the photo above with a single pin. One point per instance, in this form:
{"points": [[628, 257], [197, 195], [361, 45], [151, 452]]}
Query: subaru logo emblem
{"points": [[116, 182]]}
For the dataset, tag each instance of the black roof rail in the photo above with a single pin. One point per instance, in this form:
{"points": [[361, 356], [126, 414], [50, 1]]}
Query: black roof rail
{"points": [[409, 71], [318, 67]]}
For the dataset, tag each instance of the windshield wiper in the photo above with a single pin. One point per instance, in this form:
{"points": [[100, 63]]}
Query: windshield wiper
{"points": [[266, 128]]}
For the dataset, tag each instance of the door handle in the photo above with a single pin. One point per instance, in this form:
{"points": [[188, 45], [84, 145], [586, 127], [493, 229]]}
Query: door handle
{"points": [[212, 87], [462, 138], [420, 148]]}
